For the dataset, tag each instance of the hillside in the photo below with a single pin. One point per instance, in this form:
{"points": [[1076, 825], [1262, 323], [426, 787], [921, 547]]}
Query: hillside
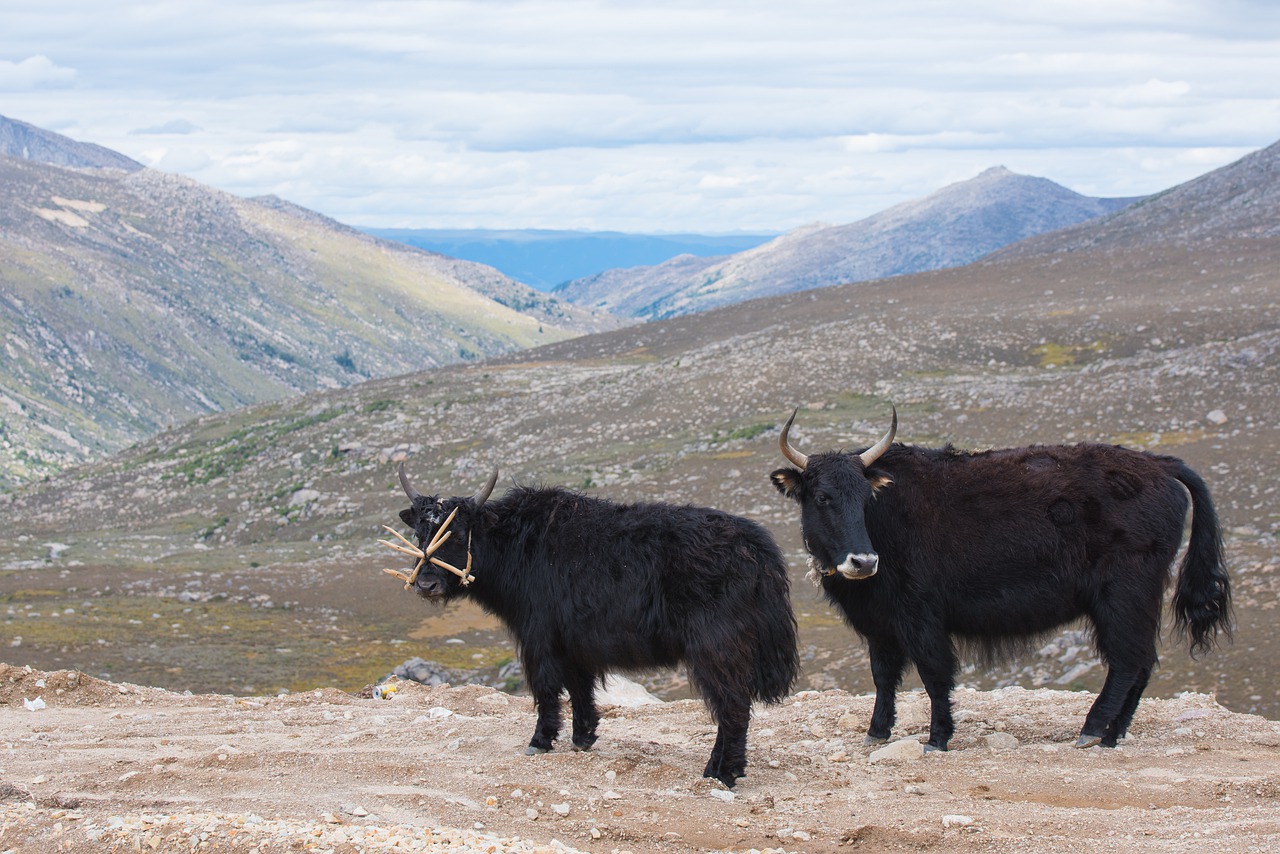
{"points": [[951, 227], [185, 560], [117, 767], [131, 301]]}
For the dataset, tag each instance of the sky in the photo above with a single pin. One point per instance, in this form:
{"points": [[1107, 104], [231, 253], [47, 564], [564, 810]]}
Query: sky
{"points": [[654, 117]]}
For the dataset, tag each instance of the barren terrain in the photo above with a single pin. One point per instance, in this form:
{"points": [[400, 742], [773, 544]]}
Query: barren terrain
{"points": [[117, 767]]}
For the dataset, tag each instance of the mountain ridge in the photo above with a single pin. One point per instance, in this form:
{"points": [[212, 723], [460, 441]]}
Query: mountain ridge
{"points": [[952, 226], [131, 300], [28, 142]]}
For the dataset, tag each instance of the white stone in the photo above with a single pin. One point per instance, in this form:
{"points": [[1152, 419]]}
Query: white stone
{"points": [[907, 748], [621, 691], [1001, 741]]}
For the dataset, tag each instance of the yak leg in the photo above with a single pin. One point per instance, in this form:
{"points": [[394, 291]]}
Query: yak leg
{"points": [[1126, 628], [728, 698], [1100, 724], [937, 668], [1118, 730], [546, 681], [728, 759], [582, 699], [887, 663]]}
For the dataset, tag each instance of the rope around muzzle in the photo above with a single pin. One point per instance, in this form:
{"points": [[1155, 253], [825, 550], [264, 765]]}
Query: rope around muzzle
{"points": [[441, 535]]}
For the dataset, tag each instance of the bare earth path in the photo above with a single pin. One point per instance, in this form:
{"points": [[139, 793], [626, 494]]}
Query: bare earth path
{"points": [[116, 767]]}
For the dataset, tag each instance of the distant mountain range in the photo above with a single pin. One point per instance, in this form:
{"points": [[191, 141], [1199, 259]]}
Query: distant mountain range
{"points": [[951, 227], [543, 258], [132, 300]]}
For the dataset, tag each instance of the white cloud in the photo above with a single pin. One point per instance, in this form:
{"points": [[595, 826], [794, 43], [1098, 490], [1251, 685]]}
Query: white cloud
{"points": [[656, 116], [34, 72]]}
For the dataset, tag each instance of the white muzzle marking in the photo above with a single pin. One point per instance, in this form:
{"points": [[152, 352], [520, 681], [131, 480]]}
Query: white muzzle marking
{"points": [[858, 567]]}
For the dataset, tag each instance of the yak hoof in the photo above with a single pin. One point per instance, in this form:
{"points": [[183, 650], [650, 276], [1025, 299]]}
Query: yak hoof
{"points": [[534, 751], [1088, 740], [869, 740], [930, 748]]}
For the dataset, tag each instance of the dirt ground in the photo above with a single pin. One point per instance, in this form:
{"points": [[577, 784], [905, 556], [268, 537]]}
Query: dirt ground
{"points": [[118, 767]]}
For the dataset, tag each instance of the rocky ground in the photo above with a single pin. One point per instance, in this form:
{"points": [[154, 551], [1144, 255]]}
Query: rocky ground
{"points": [[99, 766]]}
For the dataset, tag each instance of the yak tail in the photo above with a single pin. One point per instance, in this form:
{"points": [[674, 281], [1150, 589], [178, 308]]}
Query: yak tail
{"points": [[1202, 599], [776, 664]]}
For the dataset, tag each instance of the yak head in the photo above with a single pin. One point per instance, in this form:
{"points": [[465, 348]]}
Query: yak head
{"points": [[443, 527], [833, 490]]}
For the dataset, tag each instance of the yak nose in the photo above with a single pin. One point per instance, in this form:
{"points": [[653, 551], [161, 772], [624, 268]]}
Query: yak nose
{"points": [[859, 566], [431, 588]]}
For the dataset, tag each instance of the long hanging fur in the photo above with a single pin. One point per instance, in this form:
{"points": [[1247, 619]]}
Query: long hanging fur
{"points": [[1202, 598], [588, 586]]}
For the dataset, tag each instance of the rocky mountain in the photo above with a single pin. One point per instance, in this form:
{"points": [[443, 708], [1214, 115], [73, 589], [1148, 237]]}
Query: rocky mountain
{"points": [[28, 142], [131, 301], [185, 560], [953, 226], [1238, 201]]}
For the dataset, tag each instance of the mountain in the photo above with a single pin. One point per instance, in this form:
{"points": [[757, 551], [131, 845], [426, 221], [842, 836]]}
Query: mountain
{"points": [[28, 142], [953, 226], [131, 301], [544, 258], [265, 520], [1238, 201]]}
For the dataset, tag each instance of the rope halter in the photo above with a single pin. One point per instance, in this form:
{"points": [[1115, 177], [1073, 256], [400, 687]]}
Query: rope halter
{"points": [[424, 556]]}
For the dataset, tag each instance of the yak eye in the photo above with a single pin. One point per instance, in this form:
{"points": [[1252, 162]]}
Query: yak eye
{"points": [[822, 498]]}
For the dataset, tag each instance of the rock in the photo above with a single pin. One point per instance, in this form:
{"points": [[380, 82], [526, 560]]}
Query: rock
{"points": [[303, 497], [957, 820], [1001, 741], [1217, 417], [904, 749], [620, 691]]}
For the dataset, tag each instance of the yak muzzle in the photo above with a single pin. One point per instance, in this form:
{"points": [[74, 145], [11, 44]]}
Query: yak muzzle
{"points": [[430, 588], [859, 567]]}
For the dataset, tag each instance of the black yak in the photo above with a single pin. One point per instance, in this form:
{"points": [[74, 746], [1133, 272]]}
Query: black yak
{"points": [[922, 549], [587, 586]]}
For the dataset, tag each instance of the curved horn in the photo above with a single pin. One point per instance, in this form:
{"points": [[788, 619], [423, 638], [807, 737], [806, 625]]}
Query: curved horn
{"points": [[793, 456], [870, 455], [483, 494], [413, 494]]}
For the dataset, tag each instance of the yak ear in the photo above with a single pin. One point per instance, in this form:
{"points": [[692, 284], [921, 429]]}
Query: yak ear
{"points": [[879, 481], [409, 517], [787, 481]]}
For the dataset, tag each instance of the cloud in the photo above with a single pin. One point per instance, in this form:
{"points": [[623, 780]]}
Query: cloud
{"points": [[657, 116], [34, 72], [173, 126]]}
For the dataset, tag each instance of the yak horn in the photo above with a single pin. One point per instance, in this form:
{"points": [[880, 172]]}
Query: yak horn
{"points": [[413, 494], [870, 455], [793, 456], [483, 494]]}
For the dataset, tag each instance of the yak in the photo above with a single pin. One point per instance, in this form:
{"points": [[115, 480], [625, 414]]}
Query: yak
{"points": [[928, 550], [587, 586]]}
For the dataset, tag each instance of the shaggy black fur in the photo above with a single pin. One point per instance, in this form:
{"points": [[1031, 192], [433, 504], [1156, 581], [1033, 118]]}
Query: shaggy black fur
{"points": [[587, 586], [984, 550]]}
